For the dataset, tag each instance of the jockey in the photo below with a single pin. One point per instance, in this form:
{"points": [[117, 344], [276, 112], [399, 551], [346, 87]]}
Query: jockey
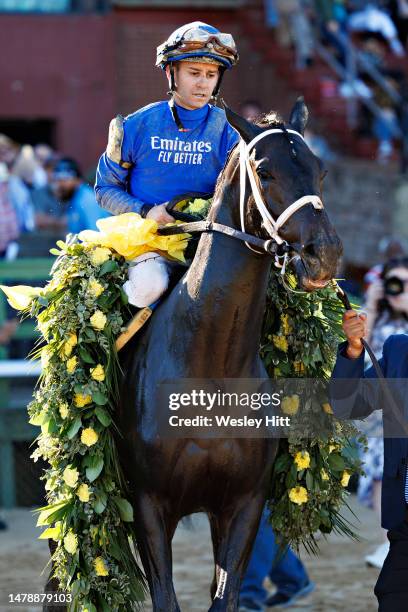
{"points": [[169, 148]]}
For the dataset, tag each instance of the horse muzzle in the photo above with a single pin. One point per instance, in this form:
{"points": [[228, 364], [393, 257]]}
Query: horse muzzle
{"points": [[315, 264]]}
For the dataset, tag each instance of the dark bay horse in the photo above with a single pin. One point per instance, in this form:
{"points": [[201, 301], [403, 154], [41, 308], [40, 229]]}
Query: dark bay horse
{"points": [[210, 327]]}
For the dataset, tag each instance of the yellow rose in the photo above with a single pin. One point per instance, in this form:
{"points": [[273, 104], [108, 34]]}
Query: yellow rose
{"points": [[89, 437], [63, 410], [281, 343], [81, 400], [66, 350], [83, 492], [298, 495], [98, 373], [99, 255], [71, 365], [290, 404], [302, 460], [324, 474], [94, 288], [71, 543], [327, 408], [345, 478], [70, 476], [72, 339], [98, 320], [332, 447], [100, 567], [286, 327], [69, 344]]}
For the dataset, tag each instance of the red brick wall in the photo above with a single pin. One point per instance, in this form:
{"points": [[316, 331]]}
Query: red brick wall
{"points": [[62, 68], [81, 70]]}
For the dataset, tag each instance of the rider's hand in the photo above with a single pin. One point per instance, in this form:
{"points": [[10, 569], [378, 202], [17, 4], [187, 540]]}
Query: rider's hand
{"points": [[355, 328], [160, 214]]}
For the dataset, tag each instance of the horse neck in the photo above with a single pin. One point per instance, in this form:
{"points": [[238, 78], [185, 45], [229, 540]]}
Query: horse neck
{"points": [[226, 284]]}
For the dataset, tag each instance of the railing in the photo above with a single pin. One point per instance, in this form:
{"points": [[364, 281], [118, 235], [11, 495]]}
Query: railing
{"points": [[14, 373], [354, 59], [14, 425]]}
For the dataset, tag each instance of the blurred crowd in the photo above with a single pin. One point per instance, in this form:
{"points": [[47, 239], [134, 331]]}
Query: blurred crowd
{"points": [[375, 30], [43, 196]]}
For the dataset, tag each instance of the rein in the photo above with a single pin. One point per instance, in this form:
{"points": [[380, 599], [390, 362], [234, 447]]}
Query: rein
{"points": [[268, 246]]}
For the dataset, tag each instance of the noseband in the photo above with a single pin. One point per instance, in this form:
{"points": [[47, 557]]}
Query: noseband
{"points": [[272, 226]]}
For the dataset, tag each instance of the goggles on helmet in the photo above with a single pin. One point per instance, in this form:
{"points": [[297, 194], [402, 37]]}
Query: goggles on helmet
{"points": [[199, 35], [199, 40], [212, 43]]}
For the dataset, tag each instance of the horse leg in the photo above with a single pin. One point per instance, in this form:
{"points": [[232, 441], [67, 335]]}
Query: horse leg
{"points": [[234, 534], [155, 532], [52, 584], [215, 537]]}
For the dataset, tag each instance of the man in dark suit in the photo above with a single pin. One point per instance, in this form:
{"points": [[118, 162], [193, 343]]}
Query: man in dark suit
{"points": [[357, 398]]}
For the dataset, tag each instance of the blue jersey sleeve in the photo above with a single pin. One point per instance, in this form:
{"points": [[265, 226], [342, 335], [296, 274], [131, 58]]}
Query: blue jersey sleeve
{"points": [[111, 186]]}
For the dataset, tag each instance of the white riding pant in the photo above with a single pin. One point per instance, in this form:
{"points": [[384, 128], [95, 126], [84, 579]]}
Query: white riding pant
{"points": [[148, 279]]}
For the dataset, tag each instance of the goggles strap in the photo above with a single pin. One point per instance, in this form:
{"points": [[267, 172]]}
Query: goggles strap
{"points": [[172, 79], [218, 85], [176, 117], [172, 105]]}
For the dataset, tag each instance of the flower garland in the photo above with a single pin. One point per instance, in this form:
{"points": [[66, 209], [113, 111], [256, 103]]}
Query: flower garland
{"points": [[80, 314], [314, 464]]}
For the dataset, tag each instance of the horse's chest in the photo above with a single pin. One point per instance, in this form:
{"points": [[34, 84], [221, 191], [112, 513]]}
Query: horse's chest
{"points": [[202, 469]]}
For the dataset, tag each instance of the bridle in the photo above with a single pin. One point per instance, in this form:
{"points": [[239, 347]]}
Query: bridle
{"points": [[275, 245], [271, 225]]}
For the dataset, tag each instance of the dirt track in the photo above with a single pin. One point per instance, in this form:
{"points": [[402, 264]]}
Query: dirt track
{"points": [[344, 584]]}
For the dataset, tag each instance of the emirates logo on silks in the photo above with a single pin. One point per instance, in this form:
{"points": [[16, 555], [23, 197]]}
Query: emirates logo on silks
{"points": [[176, 151]]}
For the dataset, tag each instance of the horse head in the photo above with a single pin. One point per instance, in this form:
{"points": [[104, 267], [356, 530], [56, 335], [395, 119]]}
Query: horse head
{"points": [[288, 178]]}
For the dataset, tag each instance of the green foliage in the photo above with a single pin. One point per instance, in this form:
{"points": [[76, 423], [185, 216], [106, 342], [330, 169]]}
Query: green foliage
{"points": [[88, 514], [300, 335]]}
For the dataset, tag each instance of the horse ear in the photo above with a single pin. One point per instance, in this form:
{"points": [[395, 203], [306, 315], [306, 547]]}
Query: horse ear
{"points": [[245, 129], [299, 115]]}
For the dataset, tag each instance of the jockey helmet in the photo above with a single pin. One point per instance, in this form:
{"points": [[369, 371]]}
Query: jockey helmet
{"points": [[198, 42]]}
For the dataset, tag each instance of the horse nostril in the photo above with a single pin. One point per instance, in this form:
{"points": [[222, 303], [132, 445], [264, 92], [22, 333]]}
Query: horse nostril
{"points": [[310, 250]]}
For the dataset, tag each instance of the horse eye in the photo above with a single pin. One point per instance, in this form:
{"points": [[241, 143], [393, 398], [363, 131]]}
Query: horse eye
{"points": [[264, 175]]}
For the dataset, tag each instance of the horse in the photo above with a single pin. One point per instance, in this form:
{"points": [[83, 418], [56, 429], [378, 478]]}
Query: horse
{"points": [[209, 327]]}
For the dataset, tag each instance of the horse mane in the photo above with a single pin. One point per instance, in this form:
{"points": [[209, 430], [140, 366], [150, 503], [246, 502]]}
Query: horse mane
{"points": [[270, 120]]}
